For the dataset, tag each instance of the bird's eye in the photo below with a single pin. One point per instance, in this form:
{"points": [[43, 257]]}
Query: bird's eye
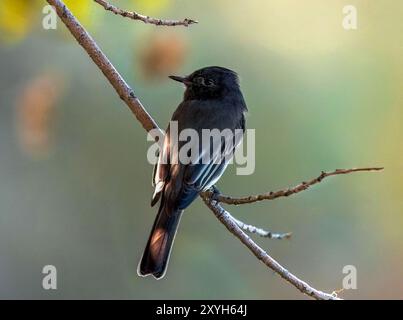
{"points": [[199, 80]]}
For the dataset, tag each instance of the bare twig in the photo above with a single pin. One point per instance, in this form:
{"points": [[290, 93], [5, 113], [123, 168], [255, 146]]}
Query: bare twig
{"points": [[119, 84], [146, 19], [226, 219], [286, 192], [261, 232], [128, 96]]}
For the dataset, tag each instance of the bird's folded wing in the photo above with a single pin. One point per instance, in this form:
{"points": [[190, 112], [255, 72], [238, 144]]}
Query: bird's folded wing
{"points": [[161, 170], [203, 175]]}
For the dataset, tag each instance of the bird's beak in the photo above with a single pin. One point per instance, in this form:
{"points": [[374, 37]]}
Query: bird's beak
{"points": [[184, 80]]}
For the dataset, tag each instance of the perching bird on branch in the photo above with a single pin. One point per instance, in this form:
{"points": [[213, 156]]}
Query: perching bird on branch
{"points": [[212, 100]]}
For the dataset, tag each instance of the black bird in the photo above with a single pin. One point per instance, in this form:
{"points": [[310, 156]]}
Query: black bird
{"points": [[212, 100]]}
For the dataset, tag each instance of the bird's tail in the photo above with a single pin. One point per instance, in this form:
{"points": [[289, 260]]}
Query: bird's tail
{"points": [[156, 254]]}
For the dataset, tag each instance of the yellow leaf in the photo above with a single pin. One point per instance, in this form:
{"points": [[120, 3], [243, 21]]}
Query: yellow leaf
{"points": [[148, 7], [81, 9], [15, 18]]}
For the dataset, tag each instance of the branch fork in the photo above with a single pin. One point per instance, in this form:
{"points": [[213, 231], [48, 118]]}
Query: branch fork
{"points": [[211, 198], [146, 19]]}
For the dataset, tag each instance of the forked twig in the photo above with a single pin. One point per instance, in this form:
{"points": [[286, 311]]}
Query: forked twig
{"points": [[146, 19], [287, 192], [261, 232], [127, 95]]}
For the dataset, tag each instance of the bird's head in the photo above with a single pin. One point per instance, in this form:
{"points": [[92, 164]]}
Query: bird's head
{"points": [[209, 83]]}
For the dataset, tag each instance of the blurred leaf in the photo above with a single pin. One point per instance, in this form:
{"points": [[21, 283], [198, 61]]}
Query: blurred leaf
{"points": [[35, 111], [16, 18], [81, 9], [163, 54], [149, 7]]}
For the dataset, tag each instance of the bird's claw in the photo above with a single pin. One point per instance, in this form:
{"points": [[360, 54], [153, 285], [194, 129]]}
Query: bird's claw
{"points": [[215, 194]]}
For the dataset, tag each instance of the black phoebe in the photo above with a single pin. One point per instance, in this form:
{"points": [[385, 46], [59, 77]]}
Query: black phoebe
{"points": [[212, 100]]}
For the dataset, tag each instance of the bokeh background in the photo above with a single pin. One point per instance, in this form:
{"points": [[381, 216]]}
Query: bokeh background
{"points": [[75, 182]]}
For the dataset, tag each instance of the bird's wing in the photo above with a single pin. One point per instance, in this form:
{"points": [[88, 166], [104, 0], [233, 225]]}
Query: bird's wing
{"points": [[203, 175], [191, 179], [209, 175], [161, 169]]}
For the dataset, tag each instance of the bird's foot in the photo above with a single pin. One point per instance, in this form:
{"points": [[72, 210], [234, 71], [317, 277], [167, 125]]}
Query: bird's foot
{"points": [[215, 194]]}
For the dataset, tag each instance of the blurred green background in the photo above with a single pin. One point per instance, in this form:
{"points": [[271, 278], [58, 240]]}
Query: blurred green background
{"points": [[75, 182]]}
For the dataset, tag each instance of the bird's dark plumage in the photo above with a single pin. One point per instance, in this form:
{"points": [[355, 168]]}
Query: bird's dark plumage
{"points": [[212, 100]]}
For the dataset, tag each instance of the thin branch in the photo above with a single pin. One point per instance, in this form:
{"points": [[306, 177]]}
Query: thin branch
{"points": [[128, 96], [226, 219], [261, 232], [146, 19], [115, 79], [285, 192]]}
